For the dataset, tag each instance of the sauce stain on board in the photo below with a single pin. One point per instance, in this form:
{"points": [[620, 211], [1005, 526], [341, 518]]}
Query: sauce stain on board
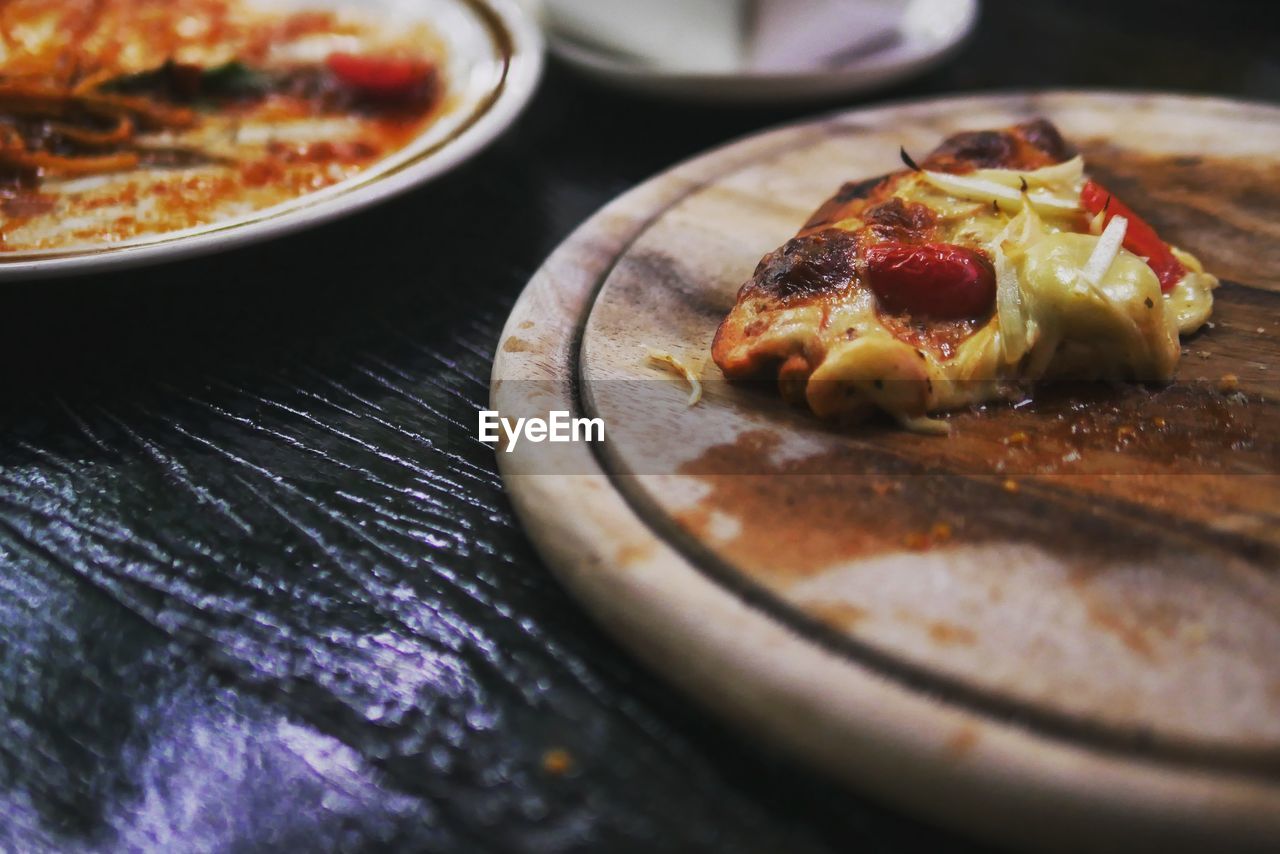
{"points": [[842, 616], [800, 516], [944, 633], [962, 742], [515, 344]]}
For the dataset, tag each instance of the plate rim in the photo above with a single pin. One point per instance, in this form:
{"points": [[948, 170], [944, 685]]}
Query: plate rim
{"points": [[760, 87], [514, 31], [1049, 790]]}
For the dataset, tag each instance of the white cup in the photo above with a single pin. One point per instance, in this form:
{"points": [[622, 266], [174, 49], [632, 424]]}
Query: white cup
{"points": [[729, 36]]}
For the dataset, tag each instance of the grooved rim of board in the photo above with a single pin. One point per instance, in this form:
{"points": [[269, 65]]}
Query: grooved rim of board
{"points": [[740, 655]]}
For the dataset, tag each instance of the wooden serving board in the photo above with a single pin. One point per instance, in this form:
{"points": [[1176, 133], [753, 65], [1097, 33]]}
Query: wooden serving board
{"points": [[1059, 626]]}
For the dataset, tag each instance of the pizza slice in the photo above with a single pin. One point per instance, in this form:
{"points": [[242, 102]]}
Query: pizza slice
{"points": [[993, 263]]}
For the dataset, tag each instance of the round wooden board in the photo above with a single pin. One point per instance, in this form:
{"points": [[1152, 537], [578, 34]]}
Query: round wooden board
{"points": [[1059, 626]]}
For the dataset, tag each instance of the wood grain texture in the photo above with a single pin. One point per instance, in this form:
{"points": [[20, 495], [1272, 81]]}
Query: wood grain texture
{"points": [[983, 576]]}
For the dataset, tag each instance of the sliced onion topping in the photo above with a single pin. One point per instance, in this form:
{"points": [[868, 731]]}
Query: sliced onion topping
{"points": [[1064, 175], [1009, 198], [1105, 252]]}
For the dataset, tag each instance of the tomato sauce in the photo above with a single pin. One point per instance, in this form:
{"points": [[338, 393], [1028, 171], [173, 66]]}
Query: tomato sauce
{"points": [[127, 118]]}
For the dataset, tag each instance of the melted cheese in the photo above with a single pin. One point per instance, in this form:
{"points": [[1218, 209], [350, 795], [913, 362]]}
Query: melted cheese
{"points": [[1057, 316]]}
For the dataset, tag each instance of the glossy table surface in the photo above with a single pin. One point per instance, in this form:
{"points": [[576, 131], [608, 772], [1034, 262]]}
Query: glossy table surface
{"points": [[259, 584]]}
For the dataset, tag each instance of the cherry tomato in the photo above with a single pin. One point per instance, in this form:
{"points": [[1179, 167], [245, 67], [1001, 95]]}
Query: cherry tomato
{"points": [[381, 78], [1139, 238], [940, 280]]}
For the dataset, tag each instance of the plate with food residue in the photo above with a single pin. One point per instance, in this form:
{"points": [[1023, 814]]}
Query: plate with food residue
{"points": [[1028, 587], [134, 132]]}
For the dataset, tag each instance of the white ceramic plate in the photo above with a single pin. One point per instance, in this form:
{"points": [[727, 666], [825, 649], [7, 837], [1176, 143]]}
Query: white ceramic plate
{"points": [[931, 31], [495, 58]]}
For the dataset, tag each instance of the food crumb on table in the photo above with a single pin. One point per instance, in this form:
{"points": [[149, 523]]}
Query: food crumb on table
{"points": [[557, 761]]}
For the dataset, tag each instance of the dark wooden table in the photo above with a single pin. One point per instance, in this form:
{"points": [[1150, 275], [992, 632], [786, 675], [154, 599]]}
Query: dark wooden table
{"points": [[260, 587]]}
